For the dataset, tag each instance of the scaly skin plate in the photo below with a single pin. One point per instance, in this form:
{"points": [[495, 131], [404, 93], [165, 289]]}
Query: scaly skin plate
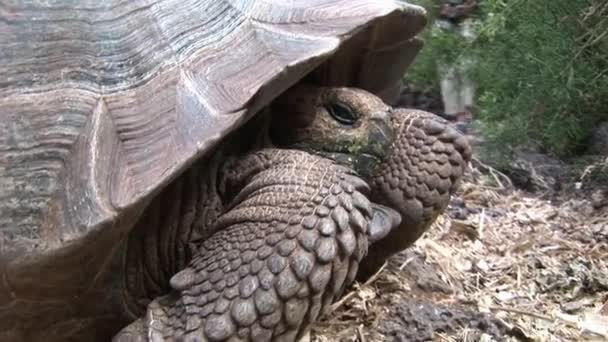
{"points": [[428, 161]]}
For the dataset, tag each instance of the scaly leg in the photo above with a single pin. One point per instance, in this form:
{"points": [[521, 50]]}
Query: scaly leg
{"points": [[277, 259]]}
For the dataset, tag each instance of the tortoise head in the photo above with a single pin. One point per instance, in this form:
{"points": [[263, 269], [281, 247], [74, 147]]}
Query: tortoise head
{"points": [[348, 125], [413, 160]]}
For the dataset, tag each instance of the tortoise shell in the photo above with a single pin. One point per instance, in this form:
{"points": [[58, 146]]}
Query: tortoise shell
{"points": [[103, 103]]}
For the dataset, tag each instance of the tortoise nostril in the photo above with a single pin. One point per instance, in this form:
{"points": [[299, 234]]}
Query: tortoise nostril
{"points": [[383, 115]]}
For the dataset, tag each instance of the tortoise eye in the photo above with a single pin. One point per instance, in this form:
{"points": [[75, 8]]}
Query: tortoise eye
{"points": [[341, 113]]}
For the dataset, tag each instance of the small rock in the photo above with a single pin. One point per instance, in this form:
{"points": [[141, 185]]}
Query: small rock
{"points": [[423, 275], [599, 140], [505, 296], [599, 199], [457, 201], [483, 266], [415, 320], [575, 306], [604, 309], [486, 338], [305, 338]]}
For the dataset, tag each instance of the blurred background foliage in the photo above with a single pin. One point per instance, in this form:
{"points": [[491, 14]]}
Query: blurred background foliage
{"points": [[541, 68]]}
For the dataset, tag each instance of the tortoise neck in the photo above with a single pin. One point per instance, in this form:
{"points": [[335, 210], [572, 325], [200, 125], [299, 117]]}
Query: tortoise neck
{"points": [[183, 214]]}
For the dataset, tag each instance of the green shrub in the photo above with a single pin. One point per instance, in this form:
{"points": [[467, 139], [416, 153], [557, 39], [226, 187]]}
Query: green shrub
{"points": [[541, 67]]}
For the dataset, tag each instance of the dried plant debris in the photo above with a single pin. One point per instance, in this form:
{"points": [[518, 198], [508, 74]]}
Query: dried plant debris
{"points": [[501, 264]]}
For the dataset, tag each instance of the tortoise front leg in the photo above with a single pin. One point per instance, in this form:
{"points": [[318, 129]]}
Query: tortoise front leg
{"points": [[427, 162], [284, 252]]}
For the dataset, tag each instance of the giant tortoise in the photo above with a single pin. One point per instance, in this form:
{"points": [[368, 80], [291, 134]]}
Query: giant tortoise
{"points": [[206, 169]]}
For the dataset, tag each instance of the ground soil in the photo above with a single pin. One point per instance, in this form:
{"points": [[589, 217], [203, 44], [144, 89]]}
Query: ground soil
{"points": [[501, 264]]}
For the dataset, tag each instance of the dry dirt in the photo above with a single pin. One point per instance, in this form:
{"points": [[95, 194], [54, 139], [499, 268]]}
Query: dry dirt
{"points": [[501, 264]]}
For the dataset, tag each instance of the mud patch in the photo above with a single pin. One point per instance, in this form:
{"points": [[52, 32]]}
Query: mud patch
{"points": [[424, 321]]}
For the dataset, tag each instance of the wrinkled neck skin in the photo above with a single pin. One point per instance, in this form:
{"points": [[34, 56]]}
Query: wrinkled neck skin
{"points": [[165, 237], [160, 243]]}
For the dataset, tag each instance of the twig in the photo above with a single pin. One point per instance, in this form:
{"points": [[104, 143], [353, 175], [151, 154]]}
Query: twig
{"points": [[481, 222], [523, 312], [360, 333], [405, 263], [495, 173], [376, 275], [533, 314], [373, 278]]}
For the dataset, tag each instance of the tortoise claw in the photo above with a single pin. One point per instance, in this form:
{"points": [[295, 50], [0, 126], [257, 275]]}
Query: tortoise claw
{"points": [[384, 219]]}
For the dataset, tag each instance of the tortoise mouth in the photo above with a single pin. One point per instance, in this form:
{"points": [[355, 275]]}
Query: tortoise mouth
{"points": [[365, 164], [365, 157]]}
